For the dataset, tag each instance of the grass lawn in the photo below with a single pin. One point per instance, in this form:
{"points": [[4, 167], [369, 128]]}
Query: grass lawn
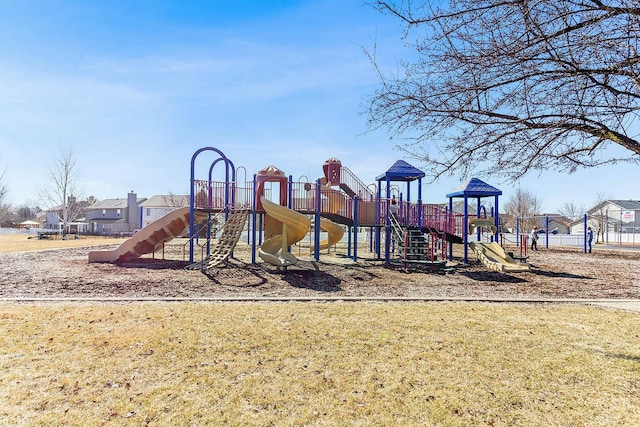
{"points": [[318, 364]]}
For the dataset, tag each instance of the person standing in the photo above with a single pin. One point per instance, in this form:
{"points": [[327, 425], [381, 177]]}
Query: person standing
{"points": [[534, 239], [394, 208], [589, 237]]}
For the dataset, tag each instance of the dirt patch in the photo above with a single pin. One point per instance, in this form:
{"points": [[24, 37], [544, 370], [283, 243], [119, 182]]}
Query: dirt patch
{"points": [[557, 273]]}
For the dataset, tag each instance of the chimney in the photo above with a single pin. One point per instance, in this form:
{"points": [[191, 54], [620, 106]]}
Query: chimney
{"points": [[132, 211]]}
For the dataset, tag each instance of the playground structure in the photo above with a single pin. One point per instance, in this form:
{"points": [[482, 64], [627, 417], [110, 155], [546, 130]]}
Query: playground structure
{"points": [[490, 253], [338, 203], [475, 189], [280, 212]]}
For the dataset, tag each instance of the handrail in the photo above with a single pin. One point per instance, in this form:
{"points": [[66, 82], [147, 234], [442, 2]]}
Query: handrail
{"points": [[406, 249], [350, 180], [395, 226], [210, 196]]}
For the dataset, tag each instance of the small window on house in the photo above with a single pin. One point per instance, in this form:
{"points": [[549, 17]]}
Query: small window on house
{"points": [[118, 212], [148, 211], [104, 212]]}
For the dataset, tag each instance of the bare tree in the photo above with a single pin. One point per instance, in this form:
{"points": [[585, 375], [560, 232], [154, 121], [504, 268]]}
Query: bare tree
{"points": [[514, 86], [598, 217], [175, 200], [572, 210], [523, 205], [5, 207], [91, 200], [62, 194], [4, 189], [26, 212]]}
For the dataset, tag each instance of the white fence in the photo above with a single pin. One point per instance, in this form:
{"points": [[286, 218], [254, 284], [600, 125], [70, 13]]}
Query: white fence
{"points": [[19, 230], [622, 239], [509, 239], [561, 240], [577, 240]]}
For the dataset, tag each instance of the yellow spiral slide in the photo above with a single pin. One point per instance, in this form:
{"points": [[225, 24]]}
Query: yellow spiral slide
{"points": [[334, 231], [295, 227]]}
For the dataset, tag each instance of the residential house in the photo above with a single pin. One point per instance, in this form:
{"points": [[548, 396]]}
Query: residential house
{"points": [[51, 220], [508, 223], [557, 224], [41, 219], [159, 205], [554, 222], [115, 216], [611, 216]]}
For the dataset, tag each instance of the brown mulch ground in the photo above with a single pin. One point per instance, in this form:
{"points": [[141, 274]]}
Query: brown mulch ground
{"points": [[556, 273]]}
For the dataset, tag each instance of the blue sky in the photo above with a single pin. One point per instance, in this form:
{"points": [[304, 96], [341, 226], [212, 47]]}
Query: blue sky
{"points": [[134, 88]]}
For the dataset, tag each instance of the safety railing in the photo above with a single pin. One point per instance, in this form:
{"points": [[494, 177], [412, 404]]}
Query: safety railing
{"points": [[211, 195], [432, 216], [359, 188]]}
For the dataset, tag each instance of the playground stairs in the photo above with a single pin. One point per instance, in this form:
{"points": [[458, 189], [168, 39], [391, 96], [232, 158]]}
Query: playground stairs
{"points": [[227, 241], [353, 186], [413, 248]]}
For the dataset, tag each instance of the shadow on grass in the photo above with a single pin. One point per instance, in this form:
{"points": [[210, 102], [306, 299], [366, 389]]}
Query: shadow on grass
{"points": [[625, 357]]}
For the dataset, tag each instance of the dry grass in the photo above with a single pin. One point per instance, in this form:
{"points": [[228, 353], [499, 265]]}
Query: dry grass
{"points": [[29, 242], [318, 364]]}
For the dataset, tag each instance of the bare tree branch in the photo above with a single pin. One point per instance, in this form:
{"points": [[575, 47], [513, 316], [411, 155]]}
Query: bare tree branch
{"points": [[5, 207], [513, 86], [62, 195], [524, 205], [572, 210], [598, 216], [4, 188]]}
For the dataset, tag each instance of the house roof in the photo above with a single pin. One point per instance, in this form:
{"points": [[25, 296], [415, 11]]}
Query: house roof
{"points": [[622, 204], [113, 204], [559, 219], [626, 204], [475, 188], [581, 221], [401, 171], [166, 201]]}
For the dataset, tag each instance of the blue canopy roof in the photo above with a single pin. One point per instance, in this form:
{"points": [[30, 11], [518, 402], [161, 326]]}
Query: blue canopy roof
{"points": [[475, 188], [401, 171]]}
